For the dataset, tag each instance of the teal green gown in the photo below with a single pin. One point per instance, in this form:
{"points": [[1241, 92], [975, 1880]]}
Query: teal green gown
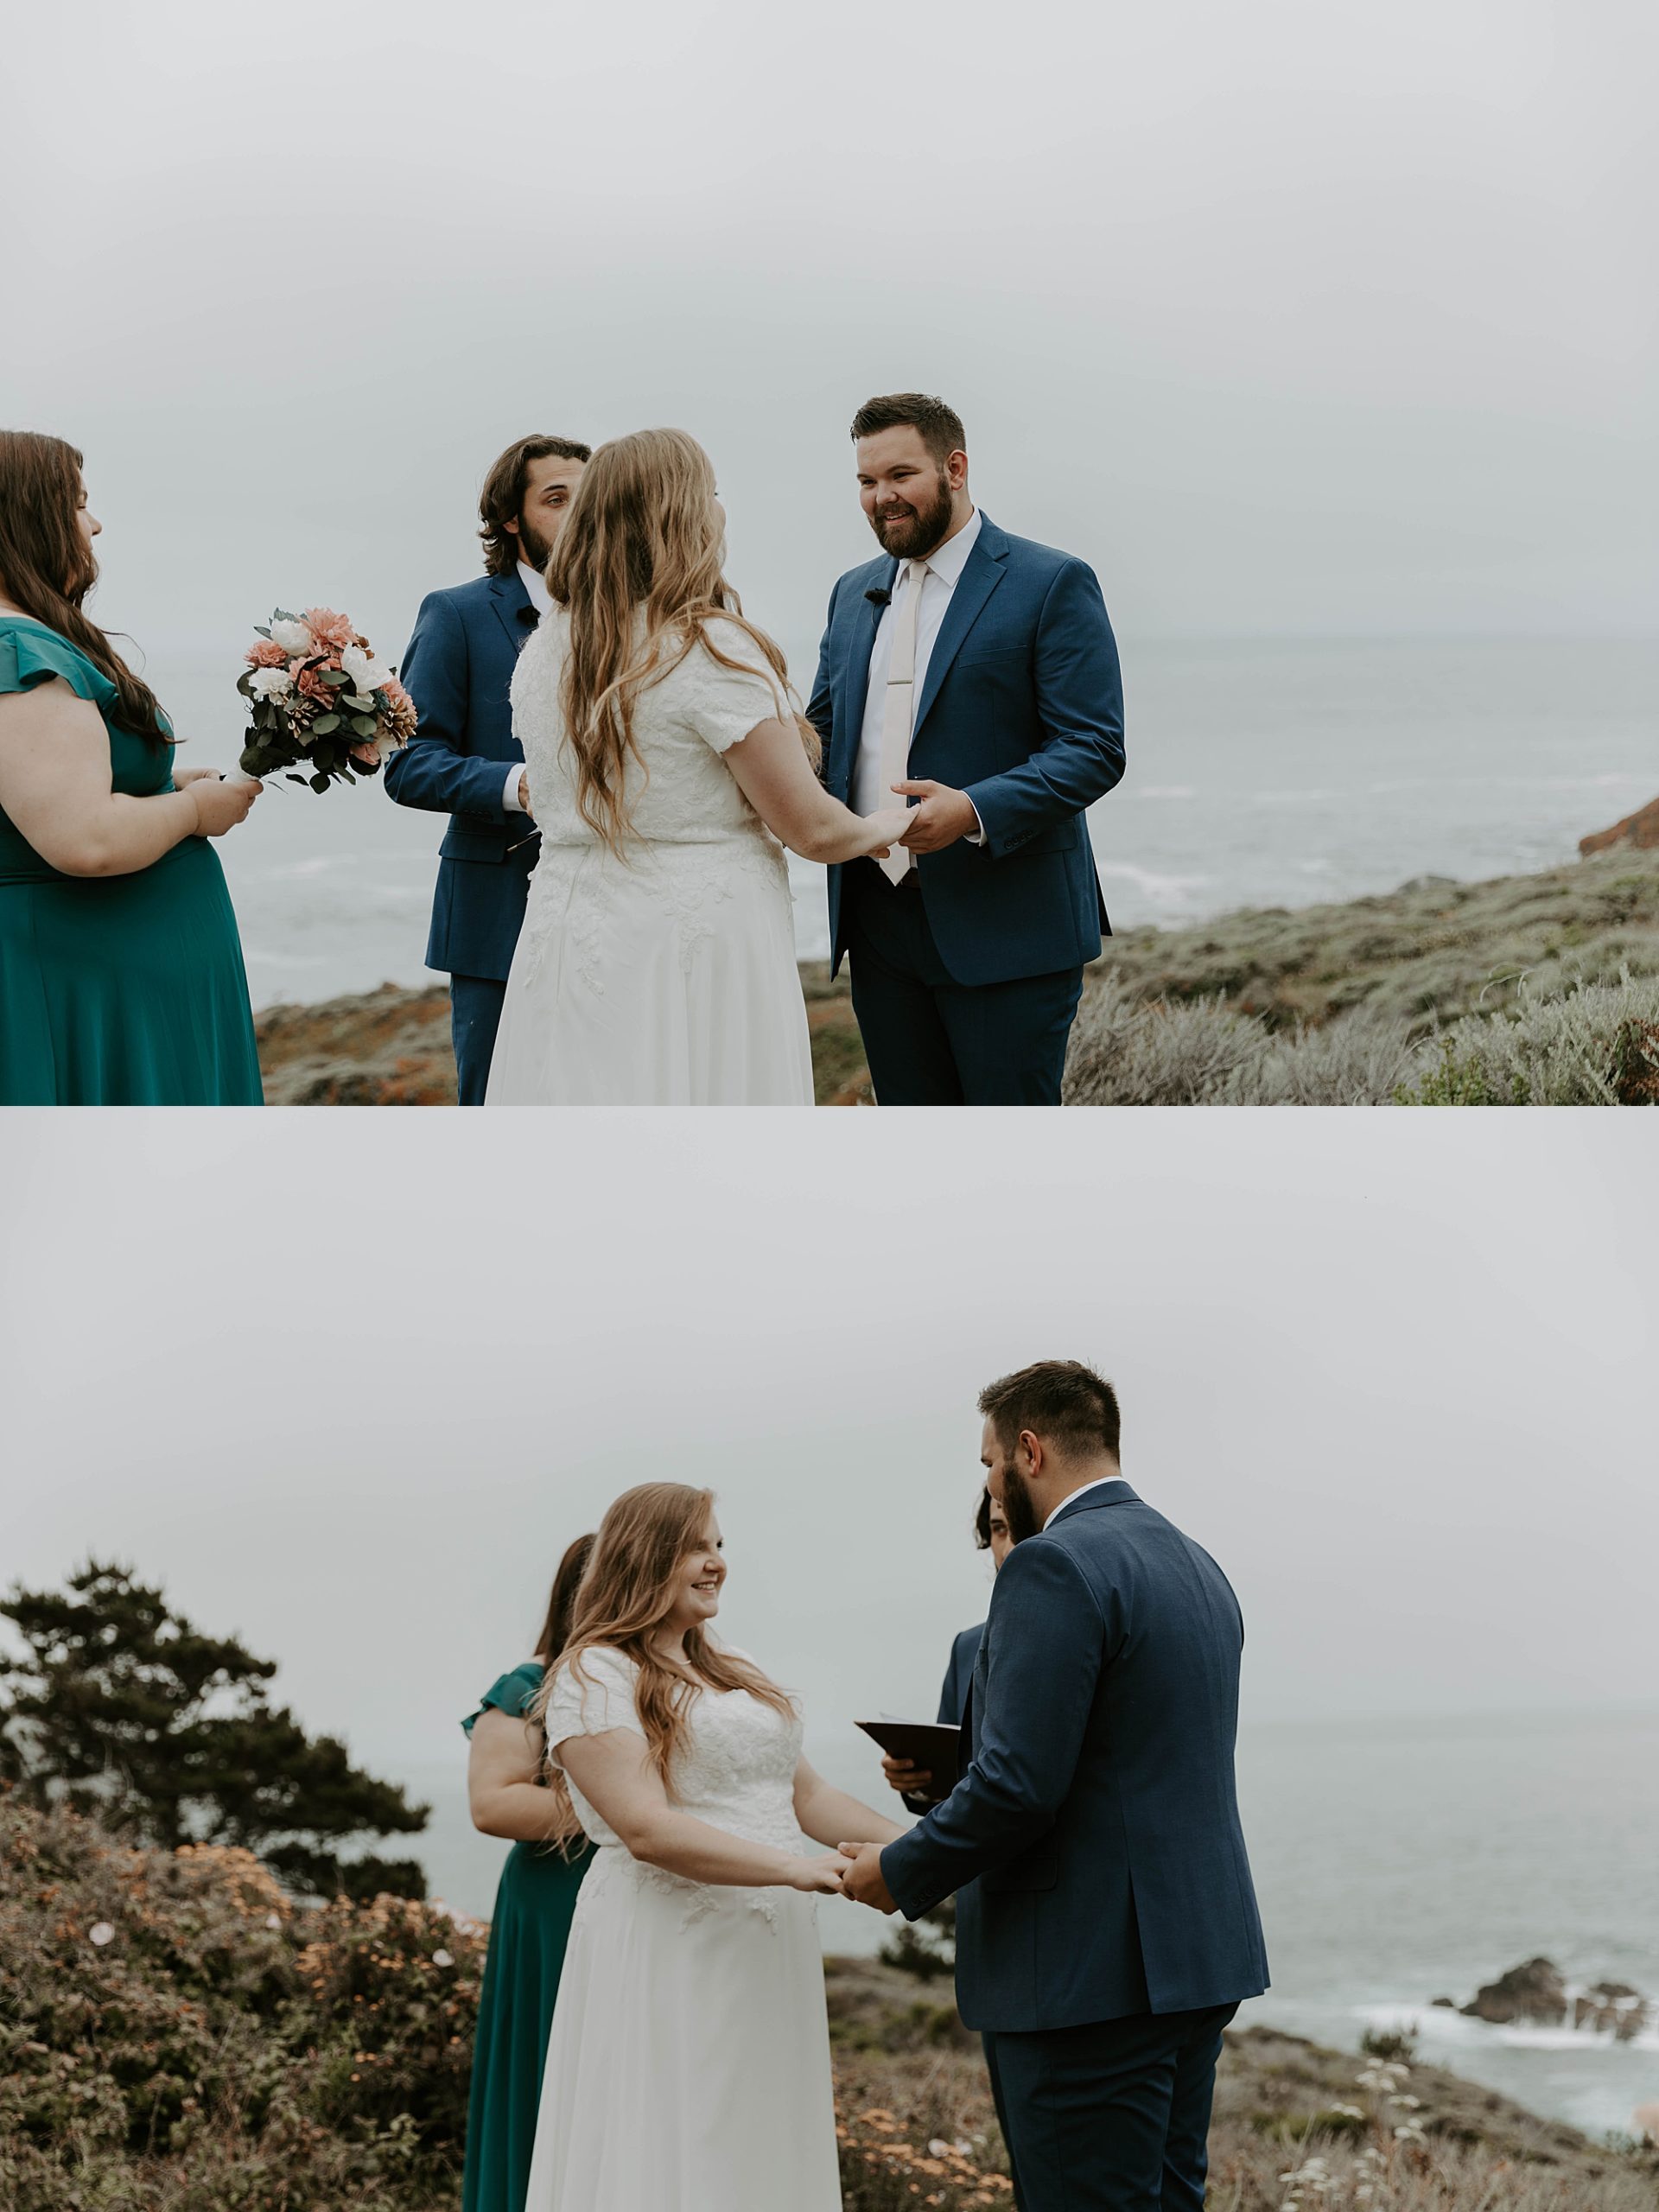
{"points": [[116, 991], [533, 1907]]}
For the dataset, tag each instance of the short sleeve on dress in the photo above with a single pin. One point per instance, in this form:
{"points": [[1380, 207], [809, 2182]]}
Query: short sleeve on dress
{"points": [[724, 704], [508, 1693], [589, 1703], [31, 654]]}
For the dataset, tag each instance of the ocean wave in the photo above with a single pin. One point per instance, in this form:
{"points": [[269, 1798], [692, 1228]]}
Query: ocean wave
{"points": [[1435, 2023], [1149, 880]]}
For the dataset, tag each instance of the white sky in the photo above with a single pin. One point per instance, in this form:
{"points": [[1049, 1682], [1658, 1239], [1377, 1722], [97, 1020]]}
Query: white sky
{"points": [[328, 1380], [1290, 317]]}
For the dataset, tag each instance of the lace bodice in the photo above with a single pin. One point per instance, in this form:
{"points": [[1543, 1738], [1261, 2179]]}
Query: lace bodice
{"points": [[737, 1771], [682, 726]]}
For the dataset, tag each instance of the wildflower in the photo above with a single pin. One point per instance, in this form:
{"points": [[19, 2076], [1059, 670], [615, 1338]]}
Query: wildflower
{"points": [[442, 1959], [100, 1932]]}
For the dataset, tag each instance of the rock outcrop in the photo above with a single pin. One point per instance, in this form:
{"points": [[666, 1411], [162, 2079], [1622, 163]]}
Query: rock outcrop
{"points": [[1536, 1994], [1533, 1993], [1611, 2008], [1640, 829]]}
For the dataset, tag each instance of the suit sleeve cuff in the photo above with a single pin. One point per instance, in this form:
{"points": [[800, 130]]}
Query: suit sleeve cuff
{"points": [[510, 795]]}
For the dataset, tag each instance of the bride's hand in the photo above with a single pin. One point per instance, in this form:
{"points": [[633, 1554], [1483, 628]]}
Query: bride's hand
{"points": [[884, 830], [817, 1876]]}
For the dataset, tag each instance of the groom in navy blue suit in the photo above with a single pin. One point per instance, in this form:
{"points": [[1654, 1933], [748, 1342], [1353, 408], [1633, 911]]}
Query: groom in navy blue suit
{"points": [[977, 673], [1107, 1929], [464, 760]]}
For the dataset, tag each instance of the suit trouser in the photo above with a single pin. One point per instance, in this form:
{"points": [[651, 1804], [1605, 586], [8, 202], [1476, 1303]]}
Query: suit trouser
{"points": [[474, 1017], [930, 1040], [1112, 2118]]}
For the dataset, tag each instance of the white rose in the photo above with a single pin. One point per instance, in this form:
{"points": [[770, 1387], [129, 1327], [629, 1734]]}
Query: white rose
{"points": [[364, 670], [293, 637], [270, 684]]}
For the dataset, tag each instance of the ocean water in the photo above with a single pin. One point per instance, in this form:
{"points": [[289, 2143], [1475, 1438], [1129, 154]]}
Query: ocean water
{"points": [[1262, 773], [1395, 1862]]}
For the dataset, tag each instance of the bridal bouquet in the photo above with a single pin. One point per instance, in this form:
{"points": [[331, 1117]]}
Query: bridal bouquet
{"points": [[319, 699]]}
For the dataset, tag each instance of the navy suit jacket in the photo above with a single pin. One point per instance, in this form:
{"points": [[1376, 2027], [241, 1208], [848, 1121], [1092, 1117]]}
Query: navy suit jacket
{"points": [[458, 669], [1094, 1843], [1023, 709], [959, 1675]]}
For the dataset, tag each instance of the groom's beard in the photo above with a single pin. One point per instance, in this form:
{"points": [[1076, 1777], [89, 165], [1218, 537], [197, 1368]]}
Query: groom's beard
{"points": [[913, 536], [1018, 1509]]}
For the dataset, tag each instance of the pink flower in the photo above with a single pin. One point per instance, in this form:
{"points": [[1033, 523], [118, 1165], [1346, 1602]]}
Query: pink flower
{"points": [[394, 691], [328, 628], [265, 654], [309, 681]]}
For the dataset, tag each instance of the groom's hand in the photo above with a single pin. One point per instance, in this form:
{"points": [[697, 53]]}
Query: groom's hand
{"points": [[941, 817], [862, 1881]]}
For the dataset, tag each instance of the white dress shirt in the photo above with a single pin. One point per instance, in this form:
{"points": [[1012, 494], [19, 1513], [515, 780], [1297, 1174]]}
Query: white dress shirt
{"points": [[1099, 1483], [536, 584], [945, 566]]}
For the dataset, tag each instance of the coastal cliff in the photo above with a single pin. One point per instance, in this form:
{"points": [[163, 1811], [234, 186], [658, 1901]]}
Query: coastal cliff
{"points": [[181, 2035], [1512, 991]]}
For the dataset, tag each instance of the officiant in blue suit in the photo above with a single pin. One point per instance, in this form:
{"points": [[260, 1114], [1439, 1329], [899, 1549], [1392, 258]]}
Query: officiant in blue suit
{"points": [[1107, 1929], [977, 673], [464, 760]]}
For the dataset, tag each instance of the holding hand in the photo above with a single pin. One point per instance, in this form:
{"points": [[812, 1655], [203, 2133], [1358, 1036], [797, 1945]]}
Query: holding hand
{"points": [[820, 1876], [219, 805], [861, 1879], [884, 830], [943, 816], [523, 794]]}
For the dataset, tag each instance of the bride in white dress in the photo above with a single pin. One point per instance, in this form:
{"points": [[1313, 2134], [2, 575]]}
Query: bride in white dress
{"points": [[689, 2064], [667, 770]]}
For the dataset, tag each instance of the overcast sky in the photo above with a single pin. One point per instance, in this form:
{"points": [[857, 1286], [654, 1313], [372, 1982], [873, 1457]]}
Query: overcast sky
{"points": [[1289, 317], [344, 1391]]}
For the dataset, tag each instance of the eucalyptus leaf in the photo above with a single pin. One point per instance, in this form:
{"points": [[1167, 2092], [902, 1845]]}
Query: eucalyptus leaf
{"points": [[335, 677], [363, 725], [325, 725]]}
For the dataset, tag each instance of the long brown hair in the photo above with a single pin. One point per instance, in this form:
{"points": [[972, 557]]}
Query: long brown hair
{"points": [[643, 532], [627, 1593], [46, 567], [556, 1629]]}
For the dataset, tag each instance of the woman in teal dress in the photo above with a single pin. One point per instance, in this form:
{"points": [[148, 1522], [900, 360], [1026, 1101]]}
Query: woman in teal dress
{"points": [[121, 974], [533, 1907]]}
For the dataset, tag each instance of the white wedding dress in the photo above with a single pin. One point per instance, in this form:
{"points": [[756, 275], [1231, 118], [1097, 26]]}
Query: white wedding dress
{"points": [[668, 978], [688, 2065]]}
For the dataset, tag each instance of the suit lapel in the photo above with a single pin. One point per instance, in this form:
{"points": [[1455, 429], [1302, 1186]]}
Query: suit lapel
{"points": [[979, 579], [867, 620], [510, 597]]}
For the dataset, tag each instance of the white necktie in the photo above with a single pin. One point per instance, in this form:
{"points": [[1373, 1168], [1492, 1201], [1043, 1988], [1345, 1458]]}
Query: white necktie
{"points": [[899, 709]]}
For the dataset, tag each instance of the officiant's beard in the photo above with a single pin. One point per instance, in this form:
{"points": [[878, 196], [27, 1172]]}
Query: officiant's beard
{"points": [[1017, 1507], [535, 550], [914, 537]]}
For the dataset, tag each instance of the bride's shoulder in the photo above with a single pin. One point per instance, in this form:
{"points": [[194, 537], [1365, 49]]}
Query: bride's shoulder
{"points": [[597, 1659]]}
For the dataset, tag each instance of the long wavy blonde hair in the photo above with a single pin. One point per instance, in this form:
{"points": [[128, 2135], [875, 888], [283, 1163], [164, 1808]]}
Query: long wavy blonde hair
{"points": [[643, 532], [627, 1591]]}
